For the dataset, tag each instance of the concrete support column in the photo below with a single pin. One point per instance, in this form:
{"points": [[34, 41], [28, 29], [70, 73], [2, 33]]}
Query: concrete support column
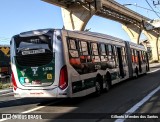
{"points": [[76, 17], [133, 32], [159, 48], [153, 39]]}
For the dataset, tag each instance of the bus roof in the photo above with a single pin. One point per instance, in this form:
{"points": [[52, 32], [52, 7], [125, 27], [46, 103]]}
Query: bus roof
{"points": [[43, 31], [134, 45], [34, 32], [99, 35]]}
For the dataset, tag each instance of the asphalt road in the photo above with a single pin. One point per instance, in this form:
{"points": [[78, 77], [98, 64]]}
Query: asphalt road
{"points": [[119, 99]]}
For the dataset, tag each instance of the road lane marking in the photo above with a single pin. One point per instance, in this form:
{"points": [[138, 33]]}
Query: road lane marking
{"points": [[31, 110], [139, 104]]}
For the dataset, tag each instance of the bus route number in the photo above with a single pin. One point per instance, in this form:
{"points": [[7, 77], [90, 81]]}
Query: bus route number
{"points": [[47, 68]]}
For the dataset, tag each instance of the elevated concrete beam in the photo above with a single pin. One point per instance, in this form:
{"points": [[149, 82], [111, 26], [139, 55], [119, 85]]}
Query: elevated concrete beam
{"points": [[123, 10], [153, 38], [133, 32], [76, 17]]}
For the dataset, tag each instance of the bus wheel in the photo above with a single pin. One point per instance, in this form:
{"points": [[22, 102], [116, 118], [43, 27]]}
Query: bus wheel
{"points": [[98, 89]]}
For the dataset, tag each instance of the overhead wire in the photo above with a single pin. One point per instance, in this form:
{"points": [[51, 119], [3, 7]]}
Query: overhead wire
{"points": [[156, 6], [152, 8]]}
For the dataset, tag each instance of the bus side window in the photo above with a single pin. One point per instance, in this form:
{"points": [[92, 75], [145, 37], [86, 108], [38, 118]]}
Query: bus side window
{"points": [[133, 57], [124, 56], [103, 52], [95, 53], [73, 52], [111, 53], [111, 56], [84, 52]]}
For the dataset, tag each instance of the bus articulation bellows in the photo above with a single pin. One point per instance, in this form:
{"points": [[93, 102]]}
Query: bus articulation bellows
{"points": [[61, 63]]}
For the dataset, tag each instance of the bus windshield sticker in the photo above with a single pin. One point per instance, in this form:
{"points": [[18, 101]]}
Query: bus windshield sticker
{"points": [[49, 76]]}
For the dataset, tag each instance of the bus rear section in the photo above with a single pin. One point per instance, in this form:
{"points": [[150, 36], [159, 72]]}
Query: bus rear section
{"points": [[138, 58], [33, 64]]}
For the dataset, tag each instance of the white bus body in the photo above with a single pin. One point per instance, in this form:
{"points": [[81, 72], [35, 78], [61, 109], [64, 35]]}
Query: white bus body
{"points": [[61, 63]]}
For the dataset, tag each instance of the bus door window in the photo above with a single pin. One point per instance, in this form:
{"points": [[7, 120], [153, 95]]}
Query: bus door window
{"points": [[133, 57], [115, 55], [139, 60], [124, 56], [136, 56], [120, 61]]}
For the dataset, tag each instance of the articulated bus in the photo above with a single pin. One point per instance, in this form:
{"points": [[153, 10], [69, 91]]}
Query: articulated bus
{"points": [[61, 63]]}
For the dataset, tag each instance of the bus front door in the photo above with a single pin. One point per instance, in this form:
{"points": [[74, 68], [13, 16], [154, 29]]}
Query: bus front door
{"points": [[120, 62], [139, 61]]}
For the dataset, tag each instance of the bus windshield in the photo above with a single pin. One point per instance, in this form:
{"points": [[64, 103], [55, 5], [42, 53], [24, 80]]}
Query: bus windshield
{"points": [[34, 49], [31, 43]]}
